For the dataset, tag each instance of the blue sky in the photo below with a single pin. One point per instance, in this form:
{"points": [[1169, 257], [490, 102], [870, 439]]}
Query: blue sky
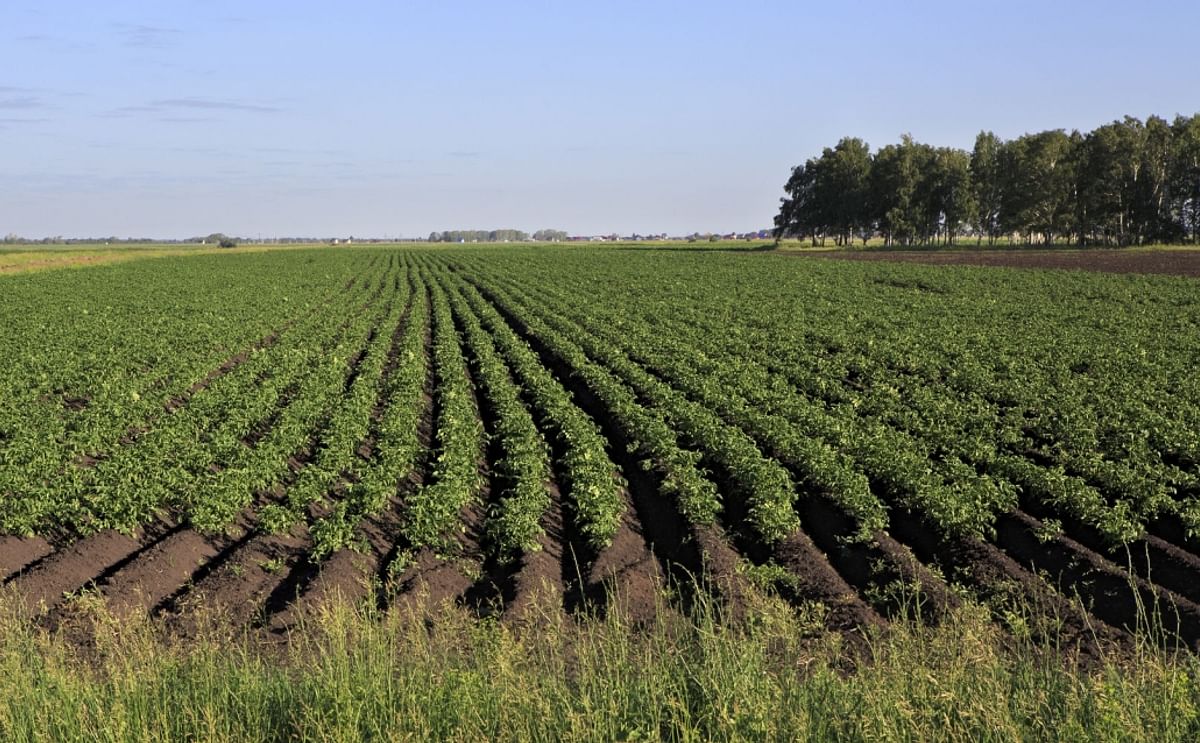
{"points": [[177, 118]]}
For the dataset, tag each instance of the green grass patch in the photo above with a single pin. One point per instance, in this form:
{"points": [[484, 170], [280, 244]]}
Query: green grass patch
{"points": [[351, 675]]}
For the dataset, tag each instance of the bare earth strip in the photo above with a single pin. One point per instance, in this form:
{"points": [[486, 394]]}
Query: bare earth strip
{"points": [[1172, 262]]}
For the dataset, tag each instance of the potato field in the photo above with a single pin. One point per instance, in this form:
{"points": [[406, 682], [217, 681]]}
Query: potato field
{"points": [[487, 426]]}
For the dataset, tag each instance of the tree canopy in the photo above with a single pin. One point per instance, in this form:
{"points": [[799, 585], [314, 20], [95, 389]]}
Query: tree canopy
{"points": [[1130, 182], [478, 236]]}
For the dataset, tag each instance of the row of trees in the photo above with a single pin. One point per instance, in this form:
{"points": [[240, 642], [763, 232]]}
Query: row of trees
{"points": [[14, 239], [1125, 183], [495, 236]]}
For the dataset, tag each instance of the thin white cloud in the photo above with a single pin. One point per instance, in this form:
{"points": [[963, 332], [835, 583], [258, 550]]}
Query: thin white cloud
{"points": [[209, 104], [21, 103], [141, 36]]}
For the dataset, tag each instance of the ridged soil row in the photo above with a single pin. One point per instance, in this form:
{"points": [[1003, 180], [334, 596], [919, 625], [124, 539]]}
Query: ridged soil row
{"points": [[1013, 587], [98, 558], [1112, 593], [860, 565], [388, 540], [18, 554], [1162, 559], [353, 573], [620, 564], [248, 577], [813, 576], [163, 569], [423, 578], [687, 553], [521, 580]]}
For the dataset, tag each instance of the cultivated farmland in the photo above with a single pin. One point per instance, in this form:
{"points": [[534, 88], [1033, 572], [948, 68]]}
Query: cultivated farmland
{"points": [[263, 432]]}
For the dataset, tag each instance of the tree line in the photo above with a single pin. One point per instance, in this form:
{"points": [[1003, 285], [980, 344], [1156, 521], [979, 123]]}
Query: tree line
{"points": [[1130, 182], [495, 236]]}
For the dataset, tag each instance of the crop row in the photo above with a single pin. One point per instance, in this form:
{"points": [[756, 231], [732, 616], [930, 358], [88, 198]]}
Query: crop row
{"points": [[397, 448], [524, 463], [899, 466], [432, 514], [760, 482], [84, 365], [349, 399], [167, 465], [935, 449], [648, 434], [593, 485], [744, 387]]}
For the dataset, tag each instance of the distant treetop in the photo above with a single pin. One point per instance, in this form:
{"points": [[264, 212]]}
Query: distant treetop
{"points": [[1125, 183], [493, 236]]}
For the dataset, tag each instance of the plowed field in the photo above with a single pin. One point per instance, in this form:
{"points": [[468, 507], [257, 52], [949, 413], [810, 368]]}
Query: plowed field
{"points": [[264, 433]]}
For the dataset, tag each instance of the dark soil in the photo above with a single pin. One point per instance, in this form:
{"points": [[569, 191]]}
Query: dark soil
{"points": [[815, 580], [628, 569], [47, 582], [1109, 592], [158, 573], [17, 552], [1175, 262], [538, 581]]}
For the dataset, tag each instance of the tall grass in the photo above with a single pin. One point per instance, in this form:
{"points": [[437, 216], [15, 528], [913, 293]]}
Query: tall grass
{"points": [[350, 675]]}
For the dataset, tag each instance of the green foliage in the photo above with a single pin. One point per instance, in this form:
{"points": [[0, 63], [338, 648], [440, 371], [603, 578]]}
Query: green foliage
{"points": [[1128, 182], [524, 464], [333, 532], [744, 385], [952, 394], [432, 516], [593, 486], [481, 236]]}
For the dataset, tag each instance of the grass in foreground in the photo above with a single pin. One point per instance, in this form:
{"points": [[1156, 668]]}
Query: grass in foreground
{"points": [[350, 676]]}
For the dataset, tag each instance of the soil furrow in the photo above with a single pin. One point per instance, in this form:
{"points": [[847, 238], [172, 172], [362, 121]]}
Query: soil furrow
{"points": [[1151, 558], [263, 573], [430, 582], [538, 587], [628, 572], [46, 583], [873, 567], [494, 587], [349, 574], [1009, 587], [392, 567], [882, 570], [813, 579], [239, 585], [669, 534], [425, 581], [158, 573], [1119, 598], [17, 553]]}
